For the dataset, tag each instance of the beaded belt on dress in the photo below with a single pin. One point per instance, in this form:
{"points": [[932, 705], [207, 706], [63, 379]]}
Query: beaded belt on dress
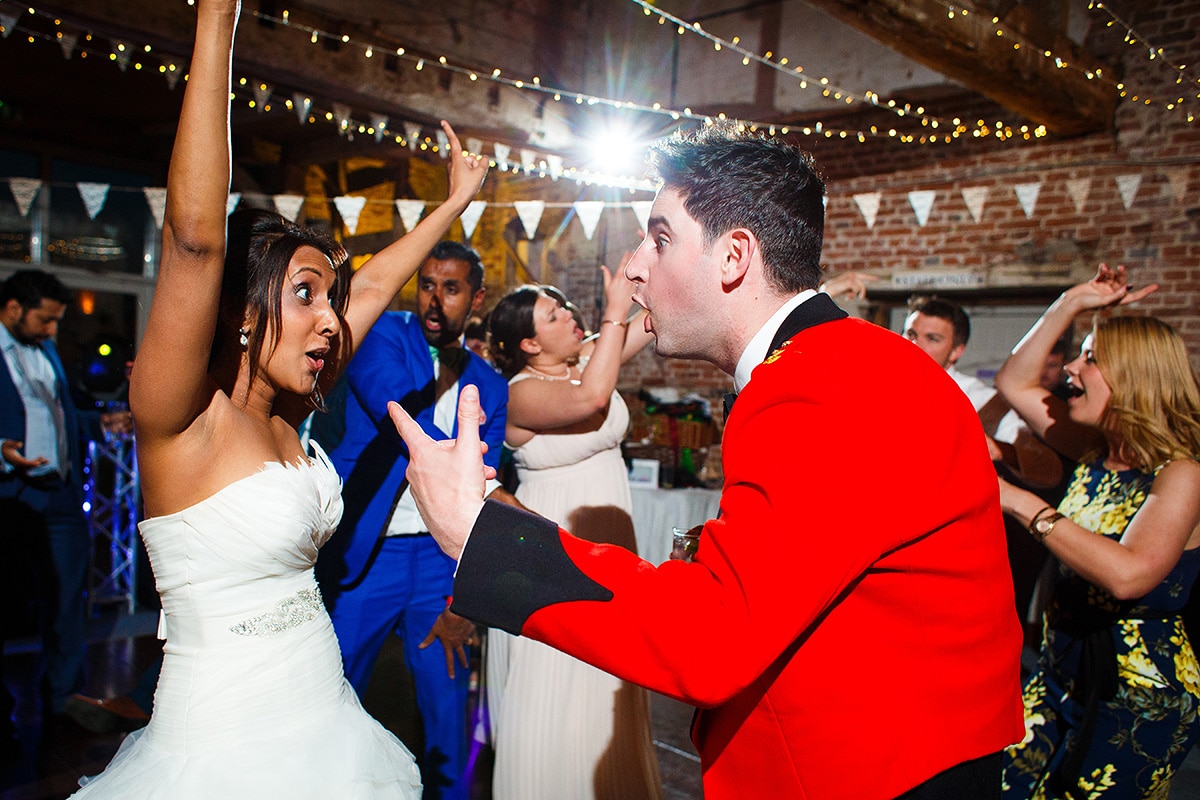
{"points": [[290, 612]]}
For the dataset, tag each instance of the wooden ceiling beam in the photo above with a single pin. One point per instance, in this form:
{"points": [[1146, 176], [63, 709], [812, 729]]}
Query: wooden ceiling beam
{"points": [[968, 50]]}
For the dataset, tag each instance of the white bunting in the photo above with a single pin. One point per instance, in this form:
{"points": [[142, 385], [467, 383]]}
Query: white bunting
{"points": [[642, 209], [502, 151], [474, 146], [921, 201], [94, 195], [868, 206], [528, 159], [556, 164], [975, 197], [589, 212], [156, 198], [530, 212], [1128, 185], [341, 114], [1027, 196], [67, 42], [1078, 188], [470, 217], [412, 132], [443, 142], [379, 124], [8, 21], [262, 95], [121, 54], [23, 191], [301, 104], [1177, 180], [232, 201], [349, 207], [172, 74], [288, 205], [410, 212]]}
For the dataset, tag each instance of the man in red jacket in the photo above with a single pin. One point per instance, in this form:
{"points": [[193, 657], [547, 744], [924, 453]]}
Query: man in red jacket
{"points": [[852, 632]]}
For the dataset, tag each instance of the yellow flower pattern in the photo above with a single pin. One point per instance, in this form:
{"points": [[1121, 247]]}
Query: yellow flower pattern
{"points": [[1143, 732]]}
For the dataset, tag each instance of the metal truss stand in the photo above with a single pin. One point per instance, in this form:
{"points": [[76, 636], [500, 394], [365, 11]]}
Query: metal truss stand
{"points": [[111, 497]]}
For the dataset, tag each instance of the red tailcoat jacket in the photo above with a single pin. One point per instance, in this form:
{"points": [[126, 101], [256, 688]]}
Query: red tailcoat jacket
{"points": [[847, 628]]}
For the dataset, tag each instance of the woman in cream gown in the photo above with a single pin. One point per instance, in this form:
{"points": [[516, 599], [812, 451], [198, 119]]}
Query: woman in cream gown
{"points": [[251, 701], [565, 730]]}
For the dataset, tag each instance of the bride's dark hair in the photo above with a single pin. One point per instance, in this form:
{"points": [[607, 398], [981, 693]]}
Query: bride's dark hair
{"points": [[510, 322], [260, 245]]}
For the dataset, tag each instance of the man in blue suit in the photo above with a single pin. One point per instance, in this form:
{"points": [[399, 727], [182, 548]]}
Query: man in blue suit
{"points": [[382, 571], [41, 494]]}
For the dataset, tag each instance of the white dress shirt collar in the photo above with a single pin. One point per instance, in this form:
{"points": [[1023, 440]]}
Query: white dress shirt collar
{"points": [[756, 350]]}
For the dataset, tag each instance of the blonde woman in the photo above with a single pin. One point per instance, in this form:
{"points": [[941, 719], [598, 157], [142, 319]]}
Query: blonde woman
{"points": [[1112, 708]]}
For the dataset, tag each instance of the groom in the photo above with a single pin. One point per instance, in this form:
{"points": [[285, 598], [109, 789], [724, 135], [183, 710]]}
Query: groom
{"points": [[848, 622]]}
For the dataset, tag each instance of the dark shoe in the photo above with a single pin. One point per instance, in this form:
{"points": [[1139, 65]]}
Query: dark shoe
{"points": [[105, 716]]}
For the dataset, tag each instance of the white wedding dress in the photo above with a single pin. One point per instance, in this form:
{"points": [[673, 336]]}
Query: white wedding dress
{"points": [[251, 702]]}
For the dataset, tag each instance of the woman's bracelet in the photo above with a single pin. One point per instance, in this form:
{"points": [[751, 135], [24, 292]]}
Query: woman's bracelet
{"points": [[622, 323]]}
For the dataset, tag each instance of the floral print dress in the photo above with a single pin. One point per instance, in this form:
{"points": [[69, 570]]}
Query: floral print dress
{"points": [[1144, 716]]}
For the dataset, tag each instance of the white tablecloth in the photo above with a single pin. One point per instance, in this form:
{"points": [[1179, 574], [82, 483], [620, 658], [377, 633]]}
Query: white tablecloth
{"points": [[656, 511]]}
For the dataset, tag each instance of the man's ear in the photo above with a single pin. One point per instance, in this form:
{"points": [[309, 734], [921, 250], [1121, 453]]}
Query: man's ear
{"points": [[738, 249], [956, 353], [477, 300]]}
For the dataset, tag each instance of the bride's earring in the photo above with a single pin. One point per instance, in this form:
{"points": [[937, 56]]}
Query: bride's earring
{"points": [[244, 336]]}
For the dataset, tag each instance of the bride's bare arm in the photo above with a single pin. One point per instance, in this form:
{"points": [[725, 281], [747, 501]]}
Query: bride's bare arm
{"points": [[169, 385]]}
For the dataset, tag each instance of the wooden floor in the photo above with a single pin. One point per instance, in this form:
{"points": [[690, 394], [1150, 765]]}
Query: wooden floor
{"points": [[56, 751]]}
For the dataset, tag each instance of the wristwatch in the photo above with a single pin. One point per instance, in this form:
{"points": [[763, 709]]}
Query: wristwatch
{"points": [[1043, 526]]}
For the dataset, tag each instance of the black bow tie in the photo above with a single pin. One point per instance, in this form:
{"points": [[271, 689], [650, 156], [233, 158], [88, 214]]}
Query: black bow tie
{"points": [[728, 399]]}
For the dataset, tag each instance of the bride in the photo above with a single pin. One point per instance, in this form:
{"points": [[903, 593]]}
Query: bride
{"points": [[245, 331]]}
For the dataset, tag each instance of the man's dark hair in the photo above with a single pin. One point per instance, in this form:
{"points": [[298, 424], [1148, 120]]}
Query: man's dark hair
{"points": [[30, 286], [732, 179], [943, 309], [447, 250]]}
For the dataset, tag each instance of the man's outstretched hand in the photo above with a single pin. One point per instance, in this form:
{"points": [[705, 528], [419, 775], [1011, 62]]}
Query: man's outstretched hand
{"points": [[447, 477]]}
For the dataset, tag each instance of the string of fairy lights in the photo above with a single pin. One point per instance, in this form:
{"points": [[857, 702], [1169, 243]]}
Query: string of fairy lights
{"points": [[935, 130]]}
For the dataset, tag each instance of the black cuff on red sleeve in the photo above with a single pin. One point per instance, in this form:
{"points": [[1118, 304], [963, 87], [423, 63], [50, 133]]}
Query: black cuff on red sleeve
{"points": [[513, 565]]}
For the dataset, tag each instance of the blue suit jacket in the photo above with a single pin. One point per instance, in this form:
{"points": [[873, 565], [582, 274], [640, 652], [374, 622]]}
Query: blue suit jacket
{"points": [[393, 363], [81, 425]]}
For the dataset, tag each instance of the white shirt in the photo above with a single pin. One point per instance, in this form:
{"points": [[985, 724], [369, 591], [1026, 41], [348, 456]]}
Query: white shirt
{"points": [[37, 384], [756, 351], [975, 389]]}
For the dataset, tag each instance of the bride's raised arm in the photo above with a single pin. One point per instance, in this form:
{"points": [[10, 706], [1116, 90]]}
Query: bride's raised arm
{"points": [[170, 386]]}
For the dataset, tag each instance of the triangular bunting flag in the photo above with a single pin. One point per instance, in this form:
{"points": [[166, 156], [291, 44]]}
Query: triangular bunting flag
{"points": [[1078, 188], [530, 212], [349, 207], [94, 195], [288, 205], [379, 124], [341, 115], [502, 151], [443, 143], [410, 212], [921, 201], [470, 217], [172, 74], [67, 41], [642, 209], [589, 212], [23, 191], [975, 197], [262, 95], [8, 21], [156, 198], [232, 201], [1177, 179], [301, 105], [1128, 185], [412, 132], [1027, 196], [868, 206], [474, 146], [555, 163], [528, 159]]}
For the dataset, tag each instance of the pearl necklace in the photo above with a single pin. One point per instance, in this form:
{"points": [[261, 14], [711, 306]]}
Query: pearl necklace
{"points": [[545, 376]]}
